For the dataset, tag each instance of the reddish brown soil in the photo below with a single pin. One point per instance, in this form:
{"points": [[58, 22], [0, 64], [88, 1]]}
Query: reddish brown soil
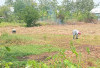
{"points": [[94, 50], [86, 29], [55, 29], [39, 57], [86, 58]]}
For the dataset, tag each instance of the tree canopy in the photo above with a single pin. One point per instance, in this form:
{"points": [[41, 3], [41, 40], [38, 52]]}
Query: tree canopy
{"points": [[51, 9]]}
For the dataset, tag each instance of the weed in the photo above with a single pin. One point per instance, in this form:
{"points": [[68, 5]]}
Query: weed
{"points": [[88, 50]]}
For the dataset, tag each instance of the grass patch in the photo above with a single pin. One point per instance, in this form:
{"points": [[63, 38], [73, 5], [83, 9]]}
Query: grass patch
{"points": [[32, 49], [10, 37], [14, 39], [5, 24], [88, 40], [26, 50]]}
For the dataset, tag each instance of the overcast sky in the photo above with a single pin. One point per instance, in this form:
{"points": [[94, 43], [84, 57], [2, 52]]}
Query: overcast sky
{"points": [[2, 1]]}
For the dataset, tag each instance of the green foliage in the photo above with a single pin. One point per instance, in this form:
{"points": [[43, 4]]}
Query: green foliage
{"points": [[34, 64], [69, 64], [2, 55], [30, 15], [7, 48], [50, 10], [6, 64], [84, 16], [13, 24], [12, 38], [4, 12], [73, 49], [1, 20], [84, 5], [42, 23], [56, 62], [10, 53], [88, 50], [18, 6], [9, 2], [83, 10]]}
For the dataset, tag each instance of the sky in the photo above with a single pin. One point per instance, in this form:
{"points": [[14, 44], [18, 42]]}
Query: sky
{"points": [[3, 1]]}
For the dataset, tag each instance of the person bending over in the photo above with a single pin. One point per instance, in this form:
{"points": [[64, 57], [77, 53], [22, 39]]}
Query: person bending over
{"points": [[76, 33]]}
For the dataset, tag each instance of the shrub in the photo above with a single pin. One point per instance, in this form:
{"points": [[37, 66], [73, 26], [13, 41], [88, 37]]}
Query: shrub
{"points": [[30, 15]]}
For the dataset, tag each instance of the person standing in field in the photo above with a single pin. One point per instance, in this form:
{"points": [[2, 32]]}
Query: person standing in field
{"points": [[76, 33]]}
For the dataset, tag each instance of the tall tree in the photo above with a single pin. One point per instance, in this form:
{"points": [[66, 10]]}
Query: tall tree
{"points": [[4, 12], [9, 2], [30, 15], [83, 8], [44, 7], [48, 8], [84, 5]]}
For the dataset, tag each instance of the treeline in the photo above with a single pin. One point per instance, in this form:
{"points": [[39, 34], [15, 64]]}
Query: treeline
{"points": [[29, 11]]}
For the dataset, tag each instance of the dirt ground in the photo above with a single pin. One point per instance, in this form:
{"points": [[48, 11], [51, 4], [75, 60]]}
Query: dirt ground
{"points": [[93, 29], [94, 54], [88, 59], [86, 29], [40, 57]]}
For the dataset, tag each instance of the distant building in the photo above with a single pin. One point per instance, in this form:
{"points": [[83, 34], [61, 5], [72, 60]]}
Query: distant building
{"points": [[96, 11]]}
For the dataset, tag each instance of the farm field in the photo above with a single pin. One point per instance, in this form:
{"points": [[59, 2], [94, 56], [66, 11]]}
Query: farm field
{"points": [[38, 43]]}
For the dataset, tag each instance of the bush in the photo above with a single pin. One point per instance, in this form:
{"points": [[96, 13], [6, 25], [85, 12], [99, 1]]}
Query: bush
{"points": [[1, 20], [30, 15]]}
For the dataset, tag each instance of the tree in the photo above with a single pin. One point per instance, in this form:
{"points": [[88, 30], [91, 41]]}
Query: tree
{"points": [[44, 8], [65, 10], [9, 2], [83, 8], [4, 12], [30, 15], [48, 8], [84, 5], [18, 6]]}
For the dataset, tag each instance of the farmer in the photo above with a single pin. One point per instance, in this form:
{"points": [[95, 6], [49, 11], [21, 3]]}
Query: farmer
{"points": [[13, 30], [76, 33]]}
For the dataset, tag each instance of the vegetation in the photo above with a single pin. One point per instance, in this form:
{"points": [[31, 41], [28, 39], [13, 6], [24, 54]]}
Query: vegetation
{"points": [[19, 48], [31, 11], [30, 16], [16, 46], [49, 46], [7, 24]]}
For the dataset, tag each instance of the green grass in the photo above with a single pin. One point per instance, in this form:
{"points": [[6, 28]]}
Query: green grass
{"points": [[11, 39], [18, 50], [26, 50], [5, 24], [33, 49], [88, 40]]}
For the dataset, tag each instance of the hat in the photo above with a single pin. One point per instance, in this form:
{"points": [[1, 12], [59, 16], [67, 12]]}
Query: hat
{"points": [[79, 33]]}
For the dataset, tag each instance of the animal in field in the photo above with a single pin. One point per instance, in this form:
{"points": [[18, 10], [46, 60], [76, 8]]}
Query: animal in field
{"points": [[76, 33]]}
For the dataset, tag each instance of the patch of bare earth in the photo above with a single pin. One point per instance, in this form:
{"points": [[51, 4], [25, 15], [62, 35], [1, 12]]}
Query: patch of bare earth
{"points": [[94, 54], [94, 50], [39, 57], [55, 29]]}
